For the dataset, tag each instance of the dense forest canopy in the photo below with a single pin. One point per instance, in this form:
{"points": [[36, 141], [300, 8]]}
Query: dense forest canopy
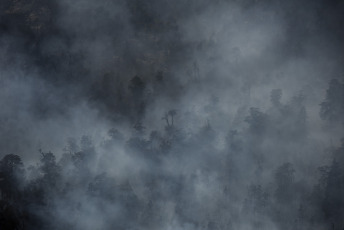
{"points": [[159, 114]]}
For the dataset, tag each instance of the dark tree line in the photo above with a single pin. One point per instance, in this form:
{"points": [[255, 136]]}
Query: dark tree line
{"points": [[33, 197]]}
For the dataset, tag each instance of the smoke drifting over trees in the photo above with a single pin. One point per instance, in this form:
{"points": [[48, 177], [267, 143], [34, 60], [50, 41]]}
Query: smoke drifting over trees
{"points": [[185, 114]]}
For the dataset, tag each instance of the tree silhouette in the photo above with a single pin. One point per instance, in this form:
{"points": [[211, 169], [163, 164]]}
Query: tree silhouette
{"points": [[136, 86], [332, 109], [169, 117], [51, 171], [11, 176], [165, 117], [172, 113], [284, 179], [257, 121]]}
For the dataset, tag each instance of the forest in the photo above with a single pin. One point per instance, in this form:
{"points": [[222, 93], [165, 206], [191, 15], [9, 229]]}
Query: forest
{"points": [[158, 114]]}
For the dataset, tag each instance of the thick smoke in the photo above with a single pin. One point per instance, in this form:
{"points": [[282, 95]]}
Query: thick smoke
{"points": [[128, 114]]}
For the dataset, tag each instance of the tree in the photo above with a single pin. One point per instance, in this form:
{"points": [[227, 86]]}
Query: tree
{"points": [[333, 204], [10, 163], [257, 199], [165, 117], [10, 217], [284, 179], [139, 128], [50, 169], [257, 121], [136, 86], [332, 108], [154, 139], [11, 176], [72, 146], [207, 133], [298, 117], [170, 114]]}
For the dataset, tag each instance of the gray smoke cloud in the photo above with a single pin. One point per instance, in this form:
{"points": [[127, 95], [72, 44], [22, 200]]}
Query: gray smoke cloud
{"points": [[172, 115]]}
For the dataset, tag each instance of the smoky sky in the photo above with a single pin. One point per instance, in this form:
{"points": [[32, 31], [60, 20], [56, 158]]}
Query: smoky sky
{"points": [[76, 69], [56, 56]]}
